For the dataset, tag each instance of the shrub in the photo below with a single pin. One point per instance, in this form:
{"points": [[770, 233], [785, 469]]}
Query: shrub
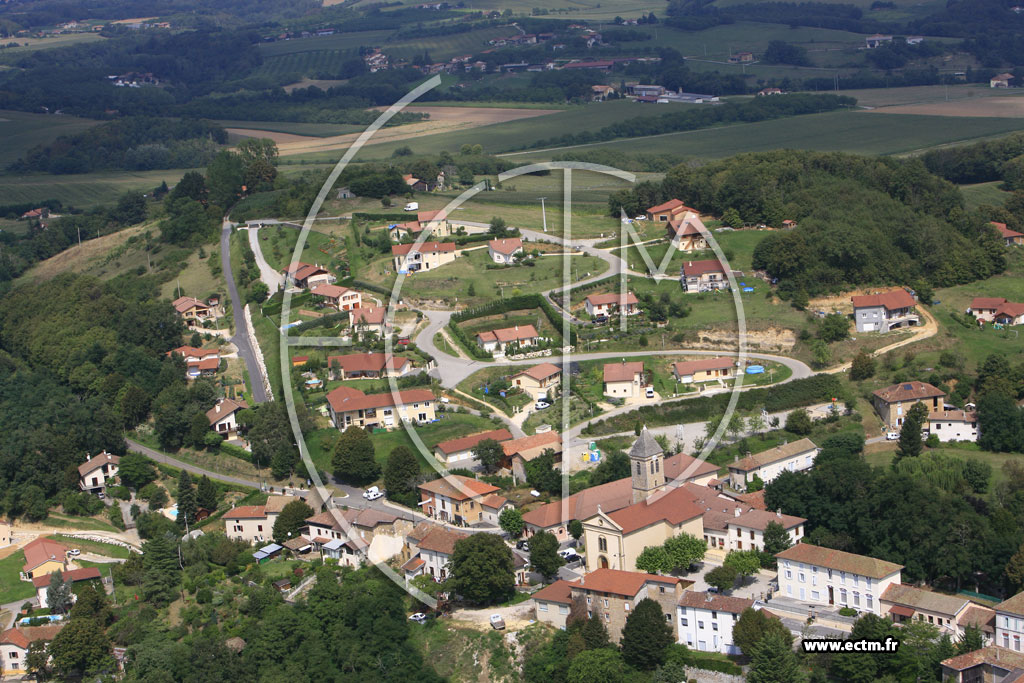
{"points": [[847, 611], [119, 492]]}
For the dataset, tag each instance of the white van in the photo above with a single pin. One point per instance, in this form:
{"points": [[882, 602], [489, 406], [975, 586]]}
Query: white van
{"points": [[412, 206]]}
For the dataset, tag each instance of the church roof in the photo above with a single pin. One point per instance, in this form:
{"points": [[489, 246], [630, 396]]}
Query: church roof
{"points": [[645, 446]]}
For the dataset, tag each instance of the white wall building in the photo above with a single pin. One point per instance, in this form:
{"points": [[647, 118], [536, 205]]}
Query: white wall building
{"points": [[705, 621], [824, 576], [1010, 622]]}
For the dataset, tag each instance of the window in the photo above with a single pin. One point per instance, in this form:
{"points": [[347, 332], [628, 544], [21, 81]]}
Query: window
{"points": [[602, 544], [789, 574], [803, 577], [684, 622], [789, 589], [1016, 643], [714, 615], [842, 595], [751, 534], [563, 609], [700, 625], [606, 602], [668, 617], [714, 625], [588, 599], [739, 533], [607, 617], [868, 600], [815, 595], [542, 606], [1006, 640], [856, 598], [626, 607], [259, 527]]}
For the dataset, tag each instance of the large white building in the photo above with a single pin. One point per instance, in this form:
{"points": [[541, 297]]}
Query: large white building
{"points": [[825, 576], [1010, 622], [766, 465], [705, 621]]}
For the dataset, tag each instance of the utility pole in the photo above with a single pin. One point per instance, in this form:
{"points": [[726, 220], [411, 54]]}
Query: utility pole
{"points": [[544, 213]]}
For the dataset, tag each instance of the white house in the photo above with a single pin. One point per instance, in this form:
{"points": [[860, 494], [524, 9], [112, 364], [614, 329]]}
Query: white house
{"points": [[72, 576], [604, 305], [495, 341], [248, 523], [94, 473], [824, 576], [706, 621], [1010, 622], [953, 425], [432, 553], [795, 456], [504, 251], [624, 380], [223, 417]]}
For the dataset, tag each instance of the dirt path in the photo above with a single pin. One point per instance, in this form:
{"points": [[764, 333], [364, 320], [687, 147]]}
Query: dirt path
{"points": [[929, 329], [515, 616]]}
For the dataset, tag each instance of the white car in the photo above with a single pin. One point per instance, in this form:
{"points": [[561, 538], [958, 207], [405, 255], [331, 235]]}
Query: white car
{"points": [[412, 206], [74, 552], [373, 493], [892, 436], [650, 392], [641, 217], [497, 622], [541, 405], [419, 618]]}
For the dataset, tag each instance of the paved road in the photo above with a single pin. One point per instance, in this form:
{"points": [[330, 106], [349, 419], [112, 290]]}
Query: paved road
{"points": [[241, 339], [271, 278], [137, 447]]}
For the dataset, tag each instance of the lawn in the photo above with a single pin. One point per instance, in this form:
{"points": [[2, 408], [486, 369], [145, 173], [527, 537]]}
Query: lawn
{"points": [[532, 316], [22, 131], [10, 55], [881, 455], [85, 190], [578, 412], [449, 426], [277, 242], [95, 547], [318, 130], [63, 521], [984, 193], [470, 272], [475, 383], [13, 588], [197, 279]]}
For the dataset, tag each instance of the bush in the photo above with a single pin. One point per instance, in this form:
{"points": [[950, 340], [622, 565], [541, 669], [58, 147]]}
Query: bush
{"points": [[119, 492], [236, 452], [847, 612], [115, 516]]}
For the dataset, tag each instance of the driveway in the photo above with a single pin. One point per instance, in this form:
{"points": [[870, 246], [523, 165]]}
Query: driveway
{"points": [[241, 339], [270, 277]]}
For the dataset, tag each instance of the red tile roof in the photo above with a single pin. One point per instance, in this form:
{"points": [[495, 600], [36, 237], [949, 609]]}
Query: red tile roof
{"points": [[366, 362], [413, 564], [205, 364], [541, 372], [457, 487], [717, 603], [42, 550], [673, 205], [675, 507], [510, 334], [246, 512], [193, 352], [428, 216], [494, 502], [1005, 231], [1010, 310], [837, 559], [344, 399], [1004, 658], [426, 247], [623, 371], [754, 500], [780, 452], [441, 540], [83, 574], [892, 300], [1014, 604], [506, 246], [527, 443], [697, 268], [23, 636], [618, 582], [224, 408], [100, 460], [760, 519], [986, 302], [369, 315], [690, 367], [182, 304], [468, 442], [560, 591], [618, 299], [908, 391], [329, 291]]}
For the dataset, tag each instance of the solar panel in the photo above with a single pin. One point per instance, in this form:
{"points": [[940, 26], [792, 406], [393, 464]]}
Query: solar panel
{"points": [[908, 387]]}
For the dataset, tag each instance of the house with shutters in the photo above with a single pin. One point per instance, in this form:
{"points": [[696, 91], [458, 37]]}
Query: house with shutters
{"points": [[367, 366], [198, 362], [436, 221], [823, 576], [605, 305], [192, 310], [610, 595], [341, 298], [306, 276], [687, 233], [349, 406], [1010, 314], [455, 499], [731, 524], [669, 211], [72, 576], [704, 370], [43, 556], [624, 380], [15, 642], [992, 664], [223, 416], [1011, 238], [704, 276], [248, 523], [705, 621], [505, 251], [497, 341], [461, 449], [539, 381], [431, 553], [953, 425], [786, 457], [884, 312], [369, 320], [95, 472], [893, 402], [413, 258], [985, 307], [951, 614], [1010, 623]]}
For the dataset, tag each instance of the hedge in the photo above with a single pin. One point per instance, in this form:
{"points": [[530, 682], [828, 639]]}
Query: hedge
{"points": [[235, 452], [708, 664], [327, 321], [397, 217], [800, 392], [362, 284]]}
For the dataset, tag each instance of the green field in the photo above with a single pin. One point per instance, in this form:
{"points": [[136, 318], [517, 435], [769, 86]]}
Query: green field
{"points": [[12, 588], [995, 460], [95, 547], [83, 191], [22, 131], [10, 55], [984, 193], [317, 130]]}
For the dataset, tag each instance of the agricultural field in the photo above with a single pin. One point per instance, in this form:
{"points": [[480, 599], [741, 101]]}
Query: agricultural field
{"points": [[9, 55], [22, 131], [86, 190], [984, 193]]}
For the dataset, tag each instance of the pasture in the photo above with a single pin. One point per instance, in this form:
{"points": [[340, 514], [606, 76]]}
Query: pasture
{"points": [[83, 191], [22, 131], [980, 194], [9, 55]]}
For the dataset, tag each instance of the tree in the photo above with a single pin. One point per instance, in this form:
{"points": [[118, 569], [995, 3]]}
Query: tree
{"points": [[575, 529], [258, 292], [776, 538], [781, 52], [863, 366], [910, 443], [646, 636], [731, 218], [597, 666], [225, 176], [971, 640], [756, 424], [187, 505], [723, 578], [260, 159], [482, 569], [271, 438], [160, 568], [401, 473], [653, 559], [752, 626], [820, 353], [684, 550], [798, 422], [498, 226], [92, 604], [488, 453], [80, 647], [135, 470], [541, 473], [206, 493], [774, 661], [292, 518], [834, 327], [1015, 570], [58, 593], [755, 484], [595, 634], [353, 458], [37, 661], [544, 556], [511, 522]]}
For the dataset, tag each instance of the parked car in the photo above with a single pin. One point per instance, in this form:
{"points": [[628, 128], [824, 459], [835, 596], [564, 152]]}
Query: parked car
{"points": [[373, 493], [569, 555], [412, 206], [74, 552], [497, 622], [892, 436], [641, 217], [650, 392], [523, 545], [419, 618], [541, 405]]}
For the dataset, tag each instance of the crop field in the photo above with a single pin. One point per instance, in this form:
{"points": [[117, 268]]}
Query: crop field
{"points": [[26, 45], [721, 41], [317, 130], [339, 41], [22, 131], [83, 191]]}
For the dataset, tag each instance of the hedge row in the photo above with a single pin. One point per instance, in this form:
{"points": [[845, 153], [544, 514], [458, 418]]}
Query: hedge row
{"points": [[329, 320], [800, 392], [235, 451], [397, 217]]}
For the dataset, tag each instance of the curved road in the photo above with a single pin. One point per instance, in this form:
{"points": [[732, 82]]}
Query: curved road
{"points": [[241, 339]]}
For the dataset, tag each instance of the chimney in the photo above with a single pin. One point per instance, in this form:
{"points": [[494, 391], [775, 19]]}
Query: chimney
{"points": [[707, 597], [88, 457], [778, 513], [736, 512]]}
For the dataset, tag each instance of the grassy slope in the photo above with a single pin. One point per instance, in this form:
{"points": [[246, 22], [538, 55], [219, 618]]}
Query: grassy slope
{"points": [[22, 131], [13, 588], [84, 190], [984, 193]]}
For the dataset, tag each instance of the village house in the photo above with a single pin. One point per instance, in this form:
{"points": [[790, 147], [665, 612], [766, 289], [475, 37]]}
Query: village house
{"points": [[553, 602], [729, 525], [369, 320], [459, 450], [949, 613], [884, 312], [877, 40], [342, 298], [687, 233], [497, 341], [518, 452], [436, 221], [192, 310], [505, 251], [539, 382], [198, 362], [824, 576], [624, 380], [367, 366], [766, 465], [764, 92], [704, 370], [455, 499], [705, 621], [72, 576], [326, 532], [954, 425], [605, 305], [610, 594], [349, 406], [43, 556], [223, 417], [248, 523], [15, 642], [992, 664], [1011, 238], [346, 552], [893, 402], [95, 472], [1010, 622], [741, 58], [1000, 80], [615, 495], [600, 93], [985, 307], [1010, 314], [306, 276], [669, 210], [431, 553], [410, 258], [704, 276], [491, 508]]}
